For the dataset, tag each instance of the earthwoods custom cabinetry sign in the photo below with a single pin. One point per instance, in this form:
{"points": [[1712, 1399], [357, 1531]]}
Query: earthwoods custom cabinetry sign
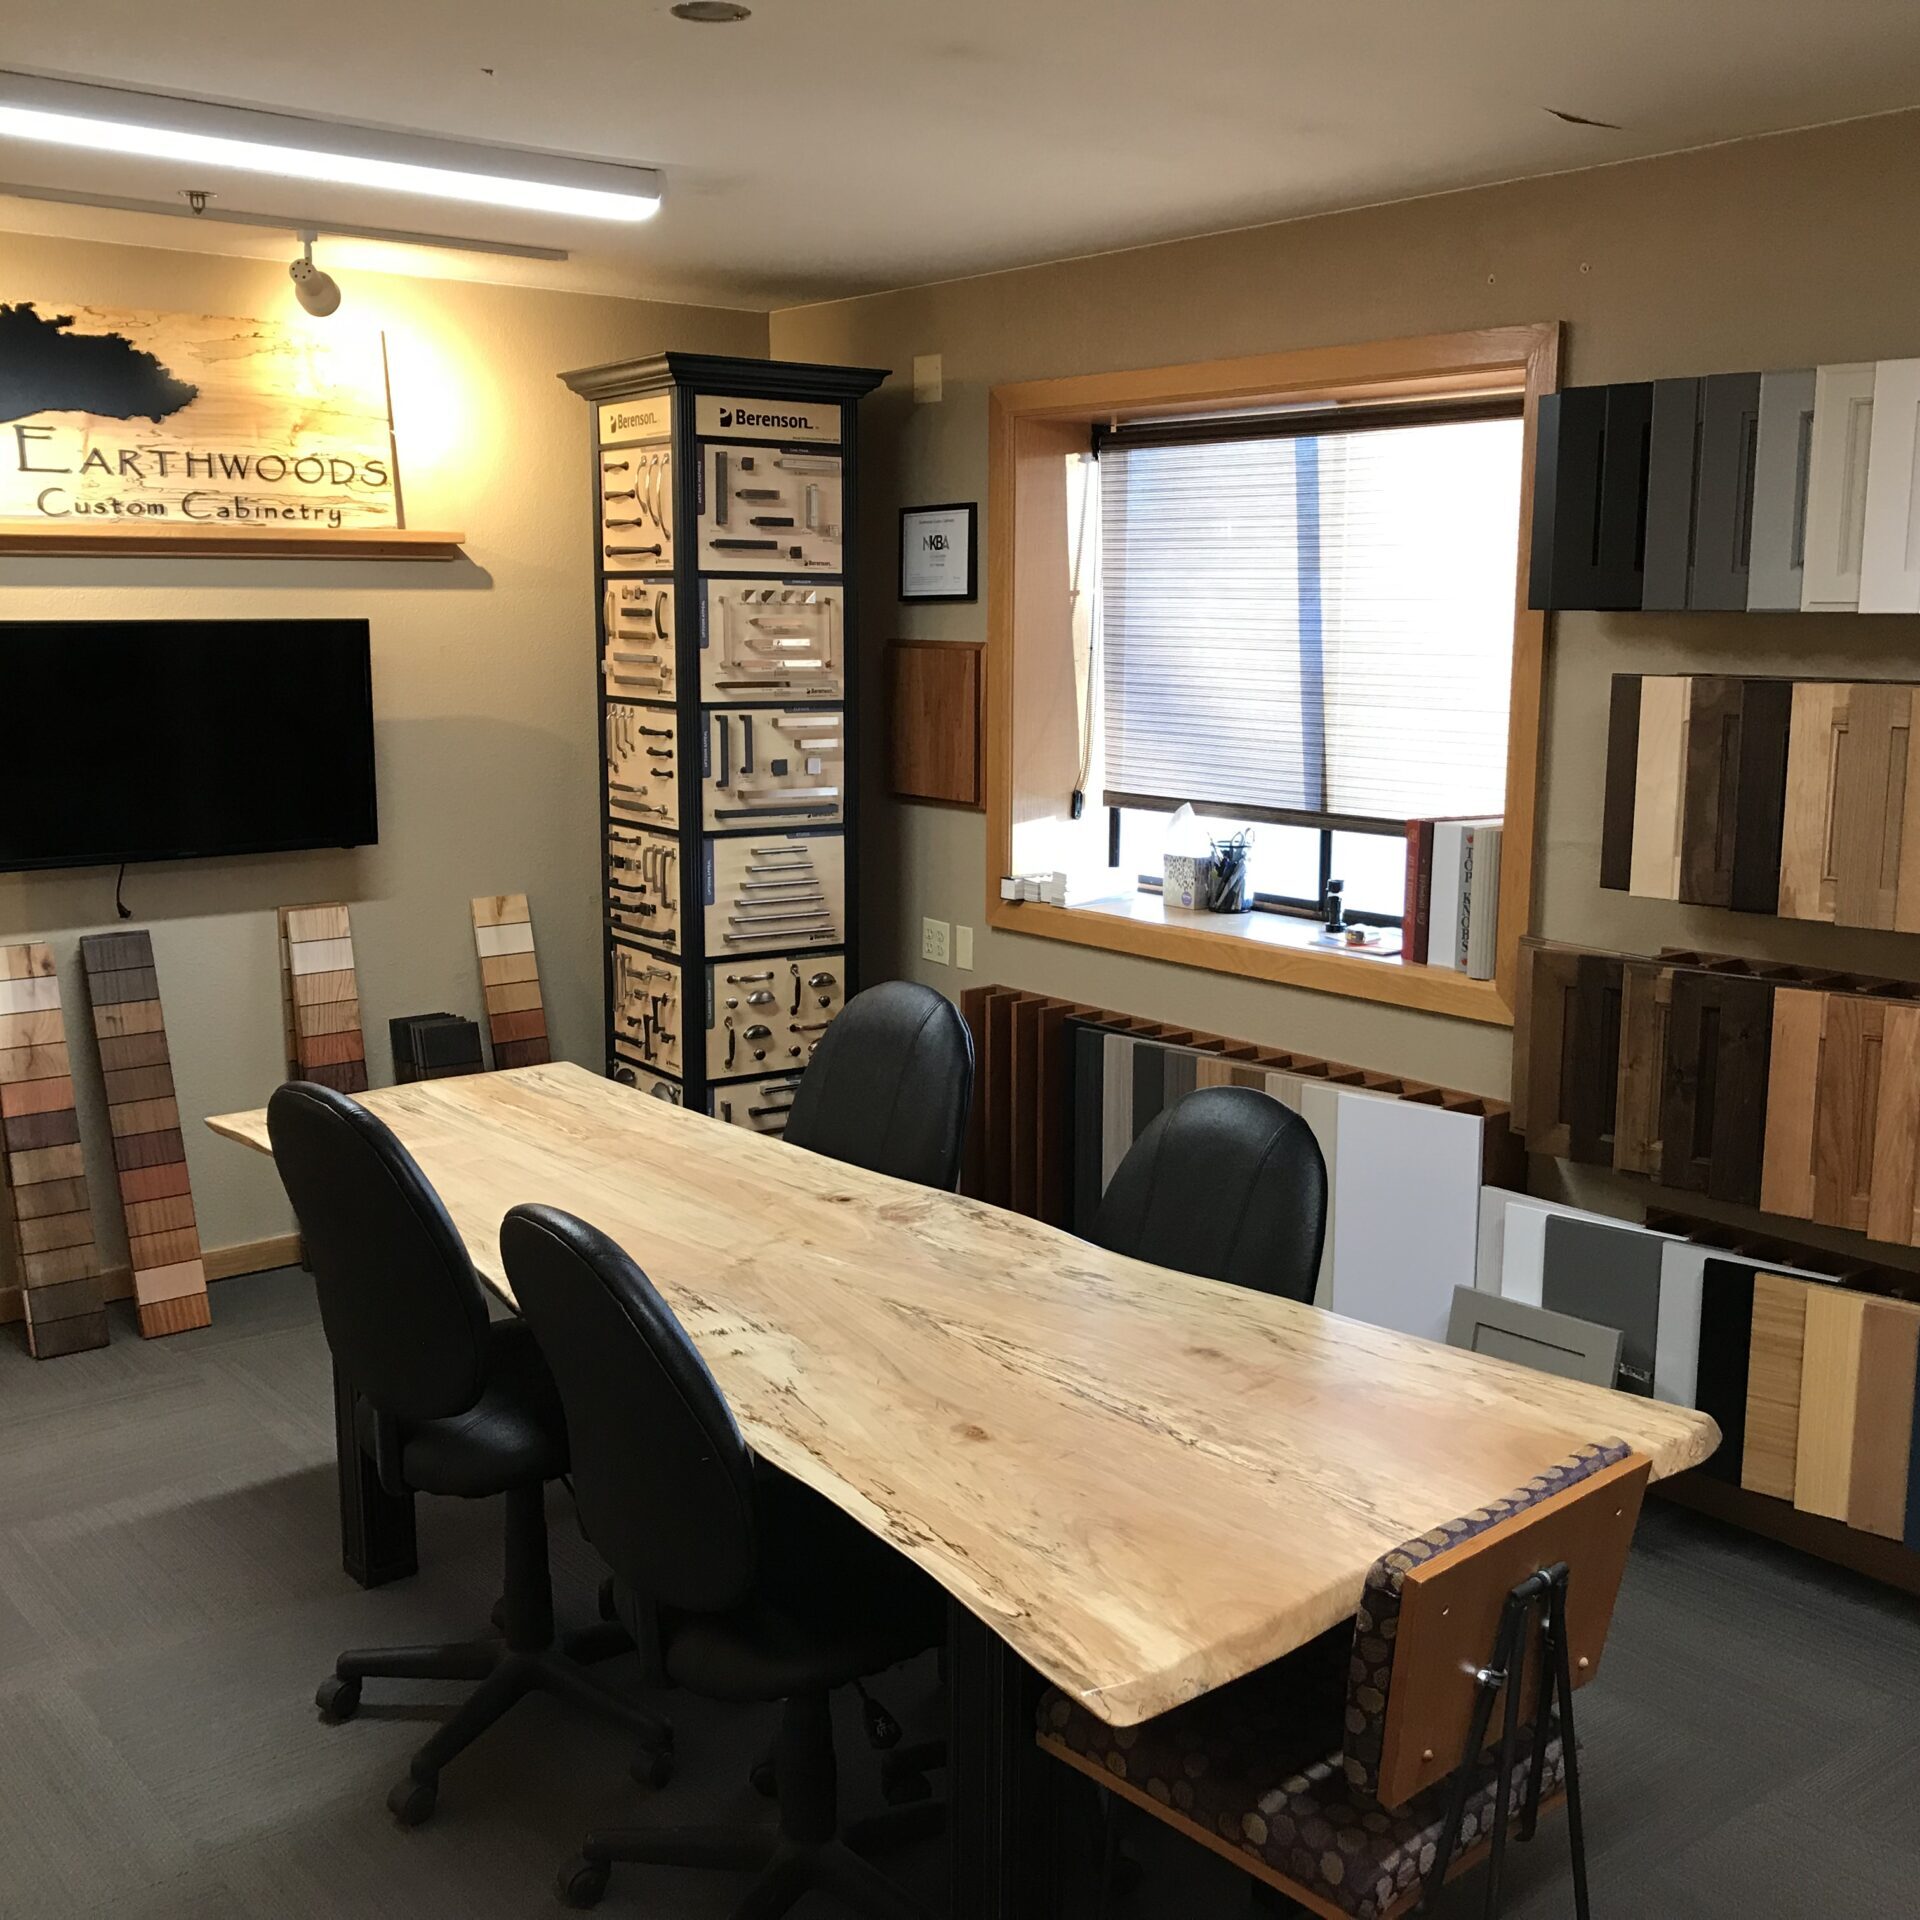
{"points": [[112, 419]]}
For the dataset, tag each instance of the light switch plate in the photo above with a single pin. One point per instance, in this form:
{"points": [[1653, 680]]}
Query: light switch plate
{"points": [[963, 948], [936, 937]]}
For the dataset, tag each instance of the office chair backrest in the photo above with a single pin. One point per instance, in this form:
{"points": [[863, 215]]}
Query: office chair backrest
{"points": [[890, 1086], [663, 1480], [1226, 1183], [399, 1299]]}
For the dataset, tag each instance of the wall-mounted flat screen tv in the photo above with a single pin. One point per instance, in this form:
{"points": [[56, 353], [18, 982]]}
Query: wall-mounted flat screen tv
{"points": [[127, 740]]}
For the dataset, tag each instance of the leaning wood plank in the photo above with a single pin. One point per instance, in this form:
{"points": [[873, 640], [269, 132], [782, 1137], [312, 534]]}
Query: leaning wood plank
{"points": [[1149, 1484], [1829, 1398], [503, 931], [1776, 1356], [324, 1041], [1883, 1419]]}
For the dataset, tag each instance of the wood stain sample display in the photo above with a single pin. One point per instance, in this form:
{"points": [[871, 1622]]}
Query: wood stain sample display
{"points": [[49, 1215], [510, 979], [150, 1159], [322, 998]]}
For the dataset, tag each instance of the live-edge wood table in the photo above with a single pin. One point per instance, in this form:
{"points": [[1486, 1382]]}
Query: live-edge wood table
{"points": [[1137, 1484]]}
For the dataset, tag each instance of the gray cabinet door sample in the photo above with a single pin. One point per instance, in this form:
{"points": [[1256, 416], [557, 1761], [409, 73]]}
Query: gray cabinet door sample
{"points": [[1778, 549], [1672, 461], [1610, 1275], [1723, 491]]}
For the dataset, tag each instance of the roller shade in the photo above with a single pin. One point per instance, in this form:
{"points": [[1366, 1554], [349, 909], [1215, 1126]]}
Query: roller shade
{"points": [[1316, 626]]}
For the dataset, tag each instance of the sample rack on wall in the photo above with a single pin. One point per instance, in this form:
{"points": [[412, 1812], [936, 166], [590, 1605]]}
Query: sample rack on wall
{"points": [[723, 509]]}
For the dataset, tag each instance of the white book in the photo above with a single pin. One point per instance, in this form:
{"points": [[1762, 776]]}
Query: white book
{"points": [[1449, 853], [1481, 918]]}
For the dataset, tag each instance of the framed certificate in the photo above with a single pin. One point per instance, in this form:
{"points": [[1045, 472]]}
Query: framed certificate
{"points": [[939, 552]]}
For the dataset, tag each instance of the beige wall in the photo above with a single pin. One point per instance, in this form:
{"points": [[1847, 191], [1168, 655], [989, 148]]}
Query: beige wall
{"points": [[483, 688], [1771, 253]]}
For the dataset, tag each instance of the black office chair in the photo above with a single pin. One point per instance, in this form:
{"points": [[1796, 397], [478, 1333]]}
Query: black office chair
{"points": [[890, 1085], [747, 1587], [1226, 1183], [447, 1402]]}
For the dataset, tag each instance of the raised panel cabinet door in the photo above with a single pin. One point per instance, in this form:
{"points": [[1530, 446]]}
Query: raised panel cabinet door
{"points": [[1766, 721], [1623, 769], [1869, 802], [1837, 487], [1891, 1196], [1589, 518], [1710, 790], [1846, 1109], [1673, 447], [1778, 549], [1890, 535], [1659, 787], [1806, 833], [1723, 491], [1713, 1099], [1646, 992], [1793, 1081]]}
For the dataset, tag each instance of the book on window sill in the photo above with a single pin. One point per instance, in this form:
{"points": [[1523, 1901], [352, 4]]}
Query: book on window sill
{"points": [[1462, 891], [1417, 913]]}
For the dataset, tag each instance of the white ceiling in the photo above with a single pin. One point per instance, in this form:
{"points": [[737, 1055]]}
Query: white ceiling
{"points": [[827, 147]]}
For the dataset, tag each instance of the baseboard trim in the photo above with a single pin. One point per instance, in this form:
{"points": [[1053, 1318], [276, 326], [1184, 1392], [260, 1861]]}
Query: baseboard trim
{"points": [[222, 1263]]}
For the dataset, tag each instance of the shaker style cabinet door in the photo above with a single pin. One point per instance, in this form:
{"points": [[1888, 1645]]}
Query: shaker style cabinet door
{"points": [[1589, 517], [1780, 476], [1711, 790], [1673, 448], [1723, 492], [1843, 405], [1890, 541], [1806, 837], [1623, 768], [1660, 784]]}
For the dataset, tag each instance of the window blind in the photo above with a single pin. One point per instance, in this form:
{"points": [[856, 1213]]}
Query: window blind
{"points": [[1314, 627]]}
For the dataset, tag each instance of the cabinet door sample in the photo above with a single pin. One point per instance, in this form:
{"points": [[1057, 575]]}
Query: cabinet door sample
{"points": [[1672, 470], [1890, 537], [1780, 475], [1793, 1079], [1773, 1385], [1713, 1098], [1892, 1197], [1846, 1109], [1589, 520], [1829, 1401], [1806, 833], [1567, 1052], [1646, 990], [1883, 1419], [1726, 1345], [1766, 717], [1710, 790], [1660, 784], [1837, 487], [1872, 735], [1623, 767], [1723, 491]]}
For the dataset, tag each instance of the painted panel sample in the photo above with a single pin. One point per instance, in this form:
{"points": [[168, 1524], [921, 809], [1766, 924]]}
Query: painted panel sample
{"points": [[1609, 1274], [1660, 784], [1782, 471], [1672, 475], [1806, 836], [1590, 466], [1766, 719], [1829, 1399], [1773, 1386], [1676, 1352], [1890, 539], [1723, 497], [1837, 487], [1726, 1341], [1883, 1420]]}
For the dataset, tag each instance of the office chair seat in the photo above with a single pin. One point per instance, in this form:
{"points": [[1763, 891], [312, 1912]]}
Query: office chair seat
{"points": [[513, 1435]]}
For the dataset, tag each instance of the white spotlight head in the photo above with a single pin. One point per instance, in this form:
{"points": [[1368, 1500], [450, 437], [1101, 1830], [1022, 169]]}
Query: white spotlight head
{"points": [[317, 291]]}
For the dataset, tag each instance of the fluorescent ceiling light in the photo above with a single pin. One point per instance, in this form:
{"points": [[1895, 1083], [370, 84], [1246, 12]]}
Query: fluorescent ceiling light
{"points": [[238, 139]]}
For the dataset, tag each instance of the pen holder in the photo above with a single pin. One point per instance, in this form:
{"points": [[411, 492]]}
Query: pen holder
{"points": [[1226, 876]]}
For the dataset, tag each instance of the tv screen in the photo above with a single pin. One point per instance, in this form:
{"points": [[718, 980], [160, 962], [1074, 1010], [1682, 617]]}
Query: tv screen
{"points": [[167, 739]]}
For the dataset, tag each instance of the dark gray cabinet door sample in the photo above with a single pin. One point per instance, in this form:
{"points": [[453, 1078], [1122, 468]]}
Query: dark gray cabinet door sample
{"points": [[1623, 773], [1610, 1275], [1710, 797], [1723, 491], [1778, 549], [1714, 1085], [1766, 714], [1672, 464], [1590, 507]]}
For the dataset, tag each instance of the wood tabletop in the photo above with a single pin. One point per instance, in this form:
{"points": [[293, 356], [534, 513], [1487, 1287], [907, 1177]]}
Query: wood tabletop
{"points": [[1146, 1483]]}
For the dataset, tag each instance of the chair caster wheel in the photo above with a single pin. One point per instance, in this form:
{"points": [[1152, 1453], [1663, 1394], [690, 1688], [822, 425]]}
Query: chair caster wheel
{"points": [[765, 1782], [652, 1766], [905, 1789], [337, 1698], [412, 1801], [581, 1883]]}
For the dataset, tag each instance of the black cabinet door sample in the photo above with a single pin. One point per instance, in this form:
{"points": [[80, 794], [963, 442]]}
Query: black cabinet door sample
{"points": [[1672, 462], [1590, 506], [1723, 506]]}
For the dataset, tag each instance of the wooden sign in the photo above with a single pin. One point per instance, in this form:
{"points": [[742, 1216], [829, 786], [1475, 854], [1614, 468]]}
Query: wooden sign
{"points": [[199, 423]]}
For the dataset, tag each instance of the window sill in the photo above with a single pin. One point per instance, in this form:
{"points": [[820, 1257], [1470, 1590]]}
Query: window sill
{"points": [[1258, 946]]}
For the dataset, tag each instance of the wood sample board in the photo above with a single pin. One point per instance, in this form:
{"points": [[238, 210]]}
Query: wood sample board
{"points": [[321, 998], [48, 1211], [149, 1154], [510, 980]]}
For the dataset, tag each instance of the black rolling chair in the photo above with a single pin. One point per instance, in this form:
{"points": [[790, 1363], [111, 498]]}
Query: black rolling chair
{"points": [[447, 1402], [746, 1588], [889, 1087], [1226, 1183]]}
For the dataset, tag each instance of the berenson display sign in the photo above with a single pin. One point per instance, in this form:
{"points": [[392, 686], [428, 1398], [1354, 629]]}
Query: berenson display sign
{"points": [[131, 418]]}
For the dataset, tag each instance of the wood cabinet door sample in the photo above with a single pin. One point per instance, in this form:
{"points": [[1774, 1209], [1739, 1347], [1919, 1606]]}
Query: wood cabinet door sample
{"points": [[1623, 770], [1673, 447], [1871, 747], [1793, 1079], [1766, 717], [1710, 790], [1646, 990], [1589, 517], [1893, 1201], [1723, 491], [1846, 1109], [1883, 1419], [1713, 1097], [1780, 477], [1660, 784], [1837, 487], [1829, 1401], [1567, 1052], [1890, 538], [1806, 833], [1773, 1385]]}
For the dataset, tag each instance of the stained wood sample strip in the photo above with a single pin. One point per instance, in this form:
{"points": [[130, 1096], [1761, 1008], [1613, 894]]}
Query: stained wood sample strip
{"points": [[143, 1112], [44, 1164], [510, 980], [322, 998]]}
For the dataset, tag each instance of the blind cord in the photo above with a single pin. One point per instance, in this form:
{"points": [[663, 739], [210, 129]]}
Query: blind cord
{"points": [[1091, 481], [119, 905]]}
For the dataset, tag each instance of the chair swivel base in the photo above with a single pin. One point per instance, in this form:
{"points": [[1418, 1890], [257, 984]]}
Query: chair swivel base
{"points": [[788, 1870]]}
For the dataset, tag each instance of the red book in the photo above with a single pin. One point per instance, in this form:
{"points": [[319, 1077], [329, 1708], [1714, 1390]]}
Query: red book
{"points": [[1417, 914]]}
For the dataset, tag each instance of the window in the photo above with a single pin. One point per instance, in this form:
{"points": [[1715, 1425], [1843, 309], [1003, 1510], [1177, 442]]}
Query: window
{"points": [[1307, 627]]}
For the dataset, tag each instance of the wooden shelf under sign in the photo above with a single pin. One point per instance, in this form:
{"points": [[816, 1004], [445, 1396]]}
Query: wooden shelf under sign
{"points": [[132, 541]]}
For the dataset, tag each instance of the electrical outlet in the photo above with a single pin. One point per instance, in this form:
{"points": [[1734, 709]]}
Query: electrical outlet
{"points": [[963, 948], [935, 940]]}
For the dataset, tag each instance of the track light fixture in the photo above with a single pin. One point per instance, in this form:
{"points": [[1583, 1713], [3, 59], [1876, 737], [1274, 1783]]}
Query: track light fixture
{"points": [[316, 290]]}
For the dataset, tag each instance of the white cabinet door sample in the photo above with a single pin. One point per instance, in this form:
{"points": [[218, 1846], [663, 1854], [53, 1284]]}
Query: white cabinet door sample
{"points": [[1890, 544], [1843, 399]]}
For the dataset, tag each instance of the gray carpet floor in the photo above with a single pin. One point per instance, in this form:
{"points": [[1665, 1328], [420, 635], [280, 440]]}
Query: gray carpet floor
{"points": [[170, 1593]]}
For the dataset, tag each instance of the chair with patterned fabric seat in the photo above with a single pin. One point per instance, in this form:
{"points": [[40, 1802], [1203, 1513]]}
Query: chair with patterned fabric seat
{"points": [[1360, 1773]]}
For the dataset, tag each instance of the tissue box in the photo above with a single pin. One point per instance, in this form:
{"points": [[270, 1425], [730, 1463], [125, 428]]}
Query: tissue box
{"points": [[1184, 880]]}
